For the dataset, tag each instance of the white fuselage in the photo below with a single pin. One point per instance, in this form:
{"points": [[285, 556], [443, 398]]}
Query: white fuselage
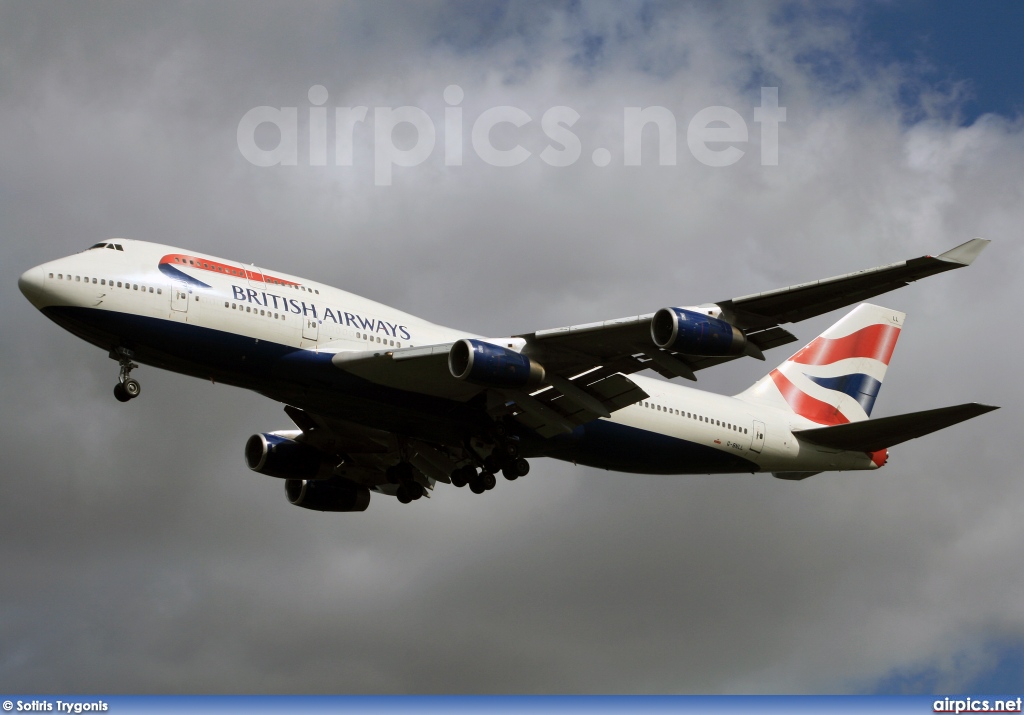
{"points": [[167, 286]]}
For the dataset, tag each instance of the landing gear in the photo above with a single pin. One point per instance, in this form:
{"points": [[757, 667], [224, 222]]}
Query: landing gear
{"points": [[518, 468], [127, 387], [404, 475], [399, 473], [409, 491], [504, 458], [461, 476]]}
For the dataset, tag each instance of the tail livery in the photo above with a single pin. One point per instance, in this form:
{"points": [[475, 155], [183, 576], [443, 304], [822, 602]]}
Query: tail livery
{"points": [[835, 379]]}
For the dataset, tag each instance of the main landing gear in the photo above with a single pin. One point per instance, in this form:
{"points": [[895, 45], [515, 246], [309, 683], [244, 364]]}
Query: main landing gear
{"points": [[127, 387], [504, 458], [403, 475]]}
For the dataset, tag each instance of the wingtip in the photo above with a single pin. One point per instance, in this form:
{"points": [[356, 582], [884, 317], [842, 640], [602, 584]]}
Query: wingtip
{"points": [[965, 253]]}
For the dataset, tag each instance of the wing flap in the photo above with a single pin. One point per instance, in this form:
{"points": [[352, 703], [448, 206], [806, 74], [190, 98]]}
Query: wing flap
{"points": [[551, 412], [880, 433]]}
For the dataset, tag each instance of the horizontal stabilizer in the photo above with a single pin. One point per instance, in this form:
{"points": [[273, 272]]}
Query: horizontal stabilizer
{"points": [[876, 434]]}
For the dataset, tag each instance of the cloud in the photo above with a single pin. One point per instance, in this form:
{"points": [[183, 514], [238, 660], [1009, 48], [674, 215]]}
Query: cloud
{"points": [[141, 555]]}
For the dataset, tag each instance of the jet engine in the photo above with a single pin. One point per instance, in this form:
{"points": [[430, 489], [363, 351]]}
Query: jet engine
{"points": [[491, 365], [280, 456], [327, 494], [692, 333]]}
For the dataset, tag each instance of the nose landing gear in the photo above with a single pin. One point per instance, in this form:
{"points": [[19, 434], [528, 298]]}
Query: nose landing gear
{"points": [[127, 387]]}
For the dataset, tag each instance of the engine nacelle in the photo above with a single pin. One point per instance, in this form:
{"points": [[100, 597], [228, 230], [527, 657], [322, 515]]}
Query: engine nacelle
{"points": [[692, 333], [327, 494], [284, 458], [491, 365]]}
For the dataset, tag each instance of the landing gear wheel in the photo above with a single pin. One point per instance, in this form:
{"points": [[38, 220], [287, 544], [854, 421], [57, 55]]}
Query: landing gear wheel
{"points": [[510, 473], [491, 463], [510, 449], [522, 467], [409, 491], [127, 387], [131, 387], [488, 481], [462, 476], [477, 486]]}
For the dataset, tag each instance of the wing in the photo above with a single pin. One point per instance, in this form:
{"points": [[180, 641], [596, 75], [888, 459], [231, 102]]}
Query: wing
{"points": [[586, 367], [799, 302], [364, 454], [624, 345]]}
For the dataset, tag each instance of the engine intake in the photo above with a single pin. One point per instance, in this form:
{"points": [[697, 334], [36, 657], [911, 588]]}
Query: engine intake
{"points": [[692, 333], [284, 458], [327, 495], [491, 365]]}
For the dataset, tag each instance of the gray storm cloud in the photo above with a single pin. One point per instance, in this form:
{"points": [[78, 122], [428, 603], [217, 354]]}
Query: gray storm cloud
{"points": [[139, 554]]}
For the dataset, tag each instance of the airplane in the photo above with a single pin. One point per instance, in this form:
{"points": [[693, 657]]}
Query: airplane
{"points": [[385, 402]]}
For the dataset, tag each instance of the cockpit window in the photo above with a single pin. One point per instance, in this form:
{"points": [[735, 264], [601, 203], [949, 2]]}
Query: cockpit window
{"points": [[98, 245], [118, 246]]}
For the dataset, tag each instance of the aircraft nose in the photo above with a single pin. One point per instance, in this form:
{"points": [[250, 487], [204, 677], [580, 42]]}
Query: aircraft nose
{"points": [[31, 285]]}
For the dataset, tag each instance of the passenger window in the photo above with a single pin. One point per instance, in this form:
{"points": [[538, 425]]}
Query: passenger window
{"points": [[226, 304], [119, 284], [78, 279], [135, 287], [94, 281], [159, 291]]}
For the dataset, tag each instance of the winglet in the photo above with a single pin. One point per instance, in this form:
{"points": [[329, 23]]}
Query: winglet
{"points": [[965, 253]]}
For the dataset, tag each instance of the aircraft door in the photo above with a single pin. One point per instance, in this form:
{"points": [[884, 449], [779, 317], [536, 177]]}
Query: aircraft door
{"points": [[254, 276], [179, 297], [310, 328], [757, 441]]}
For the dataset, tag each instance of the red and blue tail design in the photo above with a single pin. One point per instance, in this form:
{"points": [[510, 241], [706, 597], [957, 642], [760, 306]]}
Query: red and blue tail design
{"points": [[836, 377]]}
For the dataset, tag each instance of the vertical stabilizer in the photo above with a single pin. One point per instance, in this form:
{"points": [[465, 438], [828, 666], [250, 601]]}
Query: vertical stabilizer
{"points": [[836, 377]]}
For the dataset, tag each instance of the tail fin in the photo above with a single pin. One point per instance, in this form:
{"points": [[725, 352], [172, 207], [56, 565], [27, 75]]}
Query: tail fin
{"points": [[835, 378]]}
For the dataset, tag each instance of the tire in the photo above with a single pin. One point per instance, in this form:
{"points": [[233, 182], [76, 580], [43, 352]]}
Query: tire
{"points": [[491, 462], [458, 477], [488, 481], [510, 473], [403, 494], [415, 490], [132, 388], [120, 393], [477, 486], [510, 449], [522, 467]]}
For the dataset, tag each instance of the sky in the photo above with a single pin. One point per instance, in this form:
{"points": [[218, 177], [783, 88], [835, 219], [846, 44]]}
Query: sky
{"points": [[138, 553]]}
